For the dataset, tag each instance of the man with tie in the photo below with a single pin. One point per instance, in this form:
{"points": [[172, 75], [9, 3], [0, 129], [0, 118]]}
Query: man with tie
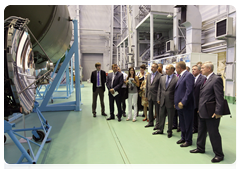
{"points": [[165, 98], [114, 84], [199, 79], [184, 103], [98, 78], [152, 83], [211, 90]]}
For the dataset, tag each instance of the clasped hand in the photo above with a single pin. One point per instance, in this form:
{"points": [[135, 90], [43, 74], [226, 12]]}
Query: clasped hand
{"points": [[216, 116], [112, 91]]}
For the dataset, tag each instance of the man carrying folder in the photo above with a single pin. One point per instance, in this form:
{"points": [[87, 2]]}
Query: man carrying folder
{"points": [[211, 96]]}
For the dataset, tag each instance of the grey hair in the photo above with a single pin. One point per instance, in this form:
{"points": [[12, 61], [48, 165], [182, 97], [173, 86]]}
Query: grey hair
{"points": [[209, 64], [199, 68]]}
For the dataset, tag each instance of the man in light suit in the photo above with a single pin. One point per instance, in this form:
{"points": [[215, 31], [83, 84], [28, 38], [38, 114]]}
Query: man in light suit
{"points": [[184, 103], [114, 84], [211, 90], [98, 78], [165, 98], [199, 79], [152, 83]]}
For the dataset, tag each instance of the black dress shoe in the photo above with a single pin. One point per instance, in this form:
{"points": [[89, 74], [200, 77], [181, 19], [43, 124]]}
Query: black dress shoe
{"points": [[185, 144], [148, 125], [124, 114], [155, 128], [119, 119], [94, 114], [180, 141], [110, 118], [217, 159], [157, 132], [169, 135], [174, 127], [104, 114], [196, 151]]}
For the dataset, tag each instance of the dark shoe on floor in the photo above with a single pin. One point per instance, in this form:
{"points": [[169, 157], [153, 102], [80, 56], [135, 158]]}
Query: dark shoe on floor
{"points": [[196, 151], [155, 128], [178, 129], [119, 119], [110, 118], [217, 159], [169, 135], [116, 114], [104, 114], [124, 114], [180, 141], [185, 144], [149, 125], [174, 127], [94, 114], [157, 132]]}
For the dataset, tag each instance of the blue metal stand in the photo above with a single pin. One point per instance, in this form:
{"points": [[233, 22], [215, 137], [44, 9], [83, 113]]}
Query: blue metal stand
{"points": [[26, 154], [75, 105]]}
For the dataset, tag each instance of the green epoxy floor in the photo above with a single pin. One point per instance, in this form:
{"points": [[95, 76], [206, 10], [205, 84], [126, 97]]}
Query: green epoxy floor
{"points": [[78, 138]]}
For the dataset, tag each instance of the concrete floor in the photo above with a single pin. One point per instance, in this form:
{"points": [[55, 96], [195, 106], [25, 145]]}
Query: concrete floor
{"points": [[78, 138]]}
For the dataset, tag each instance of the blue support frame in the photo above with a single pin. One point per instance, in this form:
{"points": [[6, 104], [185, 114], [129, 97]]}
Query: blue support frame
{"points": [[75, 105], [12, 132]]}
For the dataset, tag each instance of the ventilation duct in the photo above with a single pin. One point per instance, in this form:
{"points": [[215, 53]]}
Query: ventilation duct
{"points": [[192, 20]]}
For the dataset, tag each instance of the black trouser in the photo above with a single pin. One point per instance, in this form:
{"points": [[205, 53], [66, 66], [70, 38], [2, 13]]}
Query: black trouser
{"points": [[186, 123], [175, 119], [195, 120], [117, 98], [123, 100], [211, 126]]}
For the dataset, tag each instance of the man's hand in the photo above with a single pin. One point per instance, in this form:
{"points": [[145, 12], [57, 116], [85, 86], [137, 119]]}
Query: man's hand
{"points": [[180, 105], [216, 116], [158, 102], [112, 91]]}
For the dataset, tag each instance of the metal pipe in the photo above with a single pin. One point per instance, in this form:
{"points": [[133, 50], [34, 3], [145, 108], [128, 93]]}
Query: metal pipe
{"points": [[38, 43], [151, 36]]}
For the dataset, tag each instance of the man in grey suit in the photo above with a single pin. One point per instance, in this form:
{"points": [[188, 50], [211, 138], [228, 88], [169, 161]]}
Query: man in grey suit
{"points": [[165, 98], [152, 83], [211, 90]]}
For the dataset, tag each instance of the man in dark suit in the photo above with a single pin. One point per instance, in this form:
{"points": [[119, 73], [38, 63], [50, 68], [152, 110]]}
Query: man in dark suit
{"points": [[98, 78], [114, 84], [165, 98], [152, 83], [184, 103], [211, 90], [199, 79]]}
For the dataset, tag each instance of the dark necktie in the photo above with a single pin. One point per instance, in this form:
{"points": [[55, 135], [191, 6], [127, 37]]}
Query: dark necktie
{"points": [[167, 81], [205, 80], [98, 81]]}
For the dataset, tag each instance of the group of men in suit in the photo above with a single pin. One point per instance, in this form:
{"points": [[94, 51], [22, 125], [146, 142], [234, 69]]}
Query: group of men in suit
{"points": [[187, 93]]}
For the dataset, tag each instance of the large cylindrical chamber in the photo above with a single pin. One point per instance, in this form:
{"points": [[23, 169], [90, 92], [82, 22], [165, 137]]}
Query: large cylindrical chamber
{"points": [[51, 26]]}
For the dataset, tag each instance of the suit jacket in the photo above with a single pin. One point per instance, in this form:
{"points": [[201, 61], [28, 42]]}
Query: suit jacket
{"points": [[184, 91], [212, 90], [94, 79], [117, 82], [166, 95], [152, 88], [197, 86]]}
